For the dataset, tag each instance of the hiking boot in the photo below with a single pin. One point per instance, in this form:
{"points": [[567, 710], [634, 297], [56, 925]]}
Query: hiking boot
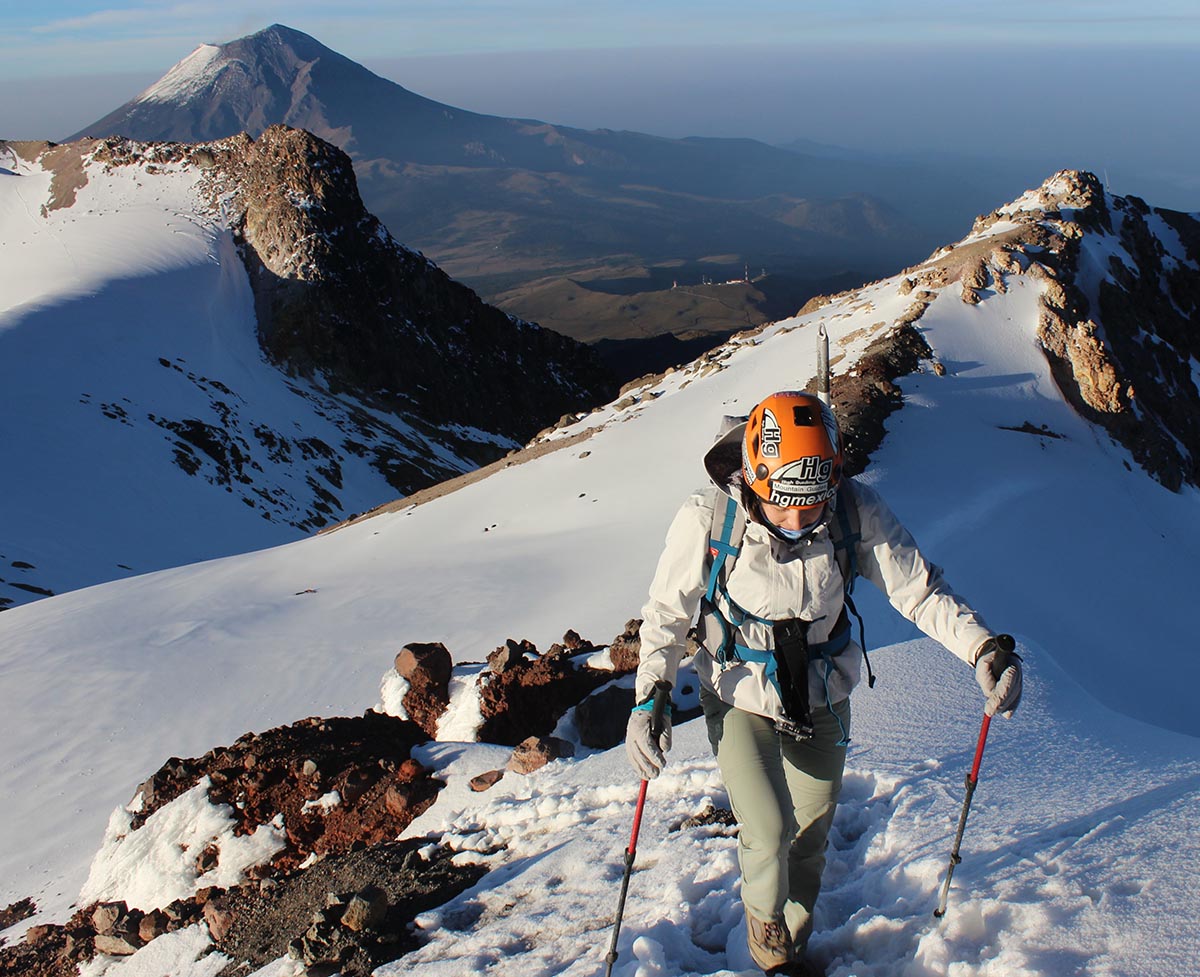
{"points": [[770, 943]]}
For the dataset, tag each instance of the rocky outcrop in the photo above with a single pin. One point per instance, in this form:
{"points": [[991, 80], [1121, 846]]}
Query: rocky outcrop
{"points": [[348, 913], [534, 752], [339, 301], [427, 669], [337, 296], [341, 892], [532, 692], [342, 789], [335, 783], [13, 913], [865, 396], [1120, 284], [1121, 299]]}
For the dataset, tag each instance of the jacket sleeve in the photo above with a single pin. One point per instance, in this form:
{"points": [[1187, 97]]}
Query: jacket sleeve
{"points": [[889, 558], [679, 583]]}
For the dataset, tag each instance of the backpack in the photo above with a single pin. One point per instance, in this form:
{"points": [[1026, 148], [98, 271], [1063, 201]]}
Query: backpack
{"points": [[725, 543]]}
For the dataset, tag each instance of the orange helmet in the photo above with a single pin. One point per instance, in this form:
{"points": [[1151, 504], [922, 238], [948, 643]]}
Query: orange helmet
{"points": [[792, 451]]}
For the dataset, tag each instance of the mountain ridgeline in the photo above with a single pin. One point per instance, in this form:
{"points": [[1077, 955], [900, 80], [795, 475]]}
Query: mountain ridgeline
{"points": [[1118, 315], [293, 360], [515, 206]]}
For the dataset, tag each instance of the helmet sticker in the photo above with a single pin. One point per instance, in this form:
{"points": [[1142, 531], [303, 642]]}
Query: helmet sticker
{"points": [[771, 435], [804, 482]]}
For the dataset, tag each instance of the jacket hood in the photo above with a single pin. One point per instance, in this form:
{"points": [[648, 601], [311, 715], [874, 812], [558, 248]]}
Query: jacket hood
{"points": [[723, 461]]}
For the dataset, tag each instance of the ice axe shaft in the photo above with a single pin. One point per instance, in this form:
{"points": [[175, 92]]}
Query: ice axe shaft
{"points": [[662, 694], [1004, 649], [823, 366]]}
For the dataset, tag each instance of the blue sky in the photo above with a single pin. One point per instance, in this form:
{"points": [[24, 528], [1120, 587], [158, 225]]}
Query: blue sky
{"points": [[84, 37], [1101, 83]]}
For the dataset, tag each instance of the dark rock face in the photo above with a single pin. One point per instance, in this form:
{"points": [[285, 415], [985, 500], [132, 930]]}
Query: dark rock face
{"points": [[624, 652], [1120, 296], [370, 789], [15, 912], [341, 895], [340, 302], [350, 912], [864, 400], [336, 294]]}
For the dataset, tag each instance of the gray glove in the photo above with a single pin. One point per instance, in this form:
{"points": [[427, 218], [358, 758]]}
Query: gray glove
{"points": [[1003, 691], [647, 756]]}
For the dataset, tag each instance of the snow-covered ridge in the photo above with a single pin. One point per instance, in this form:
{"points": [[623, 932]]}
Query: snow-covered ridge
{"points": [[132, 259], [1117, 279]]}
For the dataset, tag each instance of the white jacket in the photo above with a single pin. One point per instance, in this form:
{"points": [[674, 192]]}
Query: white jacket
{"points": [[774, 579]]}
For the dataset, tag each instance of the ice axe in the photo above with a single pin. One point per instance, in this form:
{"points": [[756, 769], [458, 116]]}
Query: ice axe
{"points": [[1005, 647], [662, 695]]}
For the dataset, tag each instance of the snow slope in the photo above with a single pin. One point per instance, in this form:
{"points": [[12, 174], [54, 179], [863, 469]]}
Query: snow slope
{"points": [[1075, 850], [145, 429]]}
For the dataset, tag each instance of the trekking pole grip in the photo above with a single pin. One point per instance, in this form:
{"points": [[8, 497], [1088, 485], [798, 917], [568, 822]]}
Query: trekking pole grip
{"points": [[662, 699], [1005, 646]]}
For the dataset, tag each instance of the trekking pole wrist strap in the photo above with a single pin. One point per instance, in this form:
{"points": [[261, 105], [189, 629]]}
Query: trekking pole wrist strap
{"points": [[662, 688]]}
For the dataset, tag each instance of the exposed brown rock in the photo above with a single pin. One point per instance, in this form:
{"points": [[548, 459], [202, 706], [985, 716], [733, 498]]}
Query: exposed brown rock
{"points": [[535, 752], [39, 934], [219, 918], [865, 397], [153, 925], [116, 944], [531, 694], [108, 917], [365, 910], [359, 758], [625, 650], [485, 781], [509, 655], [1122, 355], [13, 913], [318, 261], [427, 669], [308, 914]]}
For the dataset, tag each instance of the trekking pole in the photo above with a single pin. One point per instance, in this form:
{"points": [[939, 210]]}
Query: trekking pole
{"points": [[662, 692], [1006, 645]]}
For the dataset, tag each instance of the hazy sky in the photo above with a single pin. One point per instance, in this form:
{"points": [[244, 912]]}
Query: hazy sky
{"points": [[1101, 84]]}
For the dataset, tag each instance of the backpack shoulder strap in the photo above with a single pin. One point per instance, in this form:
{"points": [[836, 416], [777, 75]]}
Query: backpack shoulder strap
{"points": [[846, 532], [724, 539]]}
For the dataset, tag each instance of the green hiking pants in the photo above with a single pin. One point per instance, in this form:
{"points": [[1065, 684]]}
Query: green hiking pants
{"points": [[783, 792]]}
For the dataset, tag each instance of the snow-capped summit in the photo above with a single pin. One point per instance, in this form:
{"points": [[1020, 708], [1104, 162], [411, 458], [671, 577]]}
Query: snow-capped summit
{"points": [[187, 79], [275, 76]]}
